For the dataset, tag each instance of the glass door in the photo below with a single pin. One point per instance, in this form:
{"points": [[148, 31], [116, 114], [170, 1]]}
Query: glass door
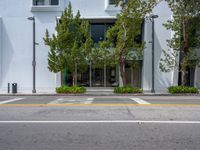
{"points": [[98, 77]]}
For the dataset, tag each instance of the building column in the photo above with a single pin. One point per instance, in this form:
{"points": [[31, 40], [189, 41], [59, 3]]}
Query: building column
{"points": [[1, 38], [76, 74], [131, 76], [119, 77], [90, 74], [104, 76], [65, 75], [197, 77], [58, 79]]}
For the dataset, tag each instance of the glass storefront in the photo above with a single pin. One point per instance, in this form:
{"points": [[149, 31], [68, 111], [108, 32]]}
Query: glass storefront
{"points": [[133, 75], [98, 77], [83, 78], [112, 76], [106, 76]]}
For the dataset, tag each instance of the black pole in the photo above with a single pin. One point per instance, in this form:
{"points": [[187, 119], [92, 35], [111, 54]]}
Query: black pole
{"points": [[152, 17], [34, 61], [8, 87], [153, 49]]}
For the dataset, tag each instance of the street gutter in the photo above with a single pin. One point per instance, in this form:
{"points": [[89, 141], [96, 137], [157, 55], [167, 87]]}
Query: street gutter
{"points": [[111, 95]]}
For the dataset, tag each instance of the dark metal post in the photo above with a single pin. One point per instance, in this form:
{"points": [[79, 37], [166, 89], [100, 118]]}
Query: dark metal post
{"points": [[34, 60], [8, 87], [153, 52], [153, 87]]}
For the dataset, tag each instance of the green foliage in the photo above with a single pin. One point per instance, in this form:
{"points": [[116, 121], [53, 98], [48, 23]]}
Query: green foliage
{"points": [[71, 44], [70, 90], [121, 43], [127, 28], [186, 38], [182, 89], [169, 60], [127, 89]]}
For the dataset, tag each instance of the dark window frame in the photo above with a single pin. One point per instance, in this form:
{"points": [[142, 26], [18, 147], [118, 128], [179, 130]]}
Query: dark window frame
{"points": [[42, 3], [111, 2], [105, 28]]}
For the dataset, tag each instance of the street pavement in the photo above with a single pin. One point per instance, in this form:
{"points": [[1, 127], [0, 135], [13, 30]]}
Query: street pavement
{"points": [[99, 123]]}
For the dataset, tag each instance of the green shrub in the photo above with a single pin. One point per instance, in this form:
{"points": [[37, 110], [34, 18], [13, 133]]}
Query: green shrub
{"points": [[70, 90], [127, 89], [182, 89]]}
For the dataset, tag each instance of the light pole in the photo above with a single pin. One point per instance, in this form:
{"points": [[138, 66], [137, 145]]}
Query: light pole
{"points": [[152, 17], [33, 61]]}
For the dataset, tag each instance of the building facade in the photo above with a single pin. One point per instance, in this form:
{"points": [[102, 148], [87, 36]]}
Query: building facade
{"points": [[16, 45]]}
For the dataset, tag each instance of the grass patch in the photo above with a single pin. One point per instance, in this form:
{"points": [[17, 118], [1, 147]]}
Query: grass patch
{"points": [[127, 89], [182, 89], [70, 89]]}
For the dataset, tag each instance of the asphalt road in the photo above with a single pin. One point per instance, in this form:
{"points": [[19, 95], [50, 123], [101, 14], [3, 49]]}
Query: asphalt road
{"points": [[99, 123]]}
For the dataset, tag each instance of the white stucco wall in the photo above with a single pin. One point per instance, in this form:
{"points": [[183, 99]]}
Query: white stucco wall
{"points": [[0, 53], [94, 8], [17, 39], [162, 80], [17, 45], [197, 77], [17, 33], [197, 74]]}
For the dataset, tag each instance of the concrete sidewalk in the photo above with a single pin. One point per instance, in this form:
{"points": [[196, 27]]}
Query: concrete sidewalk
{"points": [[90, 92]]}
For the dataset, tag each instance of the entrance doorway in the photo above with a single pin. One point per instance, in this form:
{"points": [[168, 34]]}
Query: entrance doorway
{"points": [[106, 76], [98, 77], [133, 75]]}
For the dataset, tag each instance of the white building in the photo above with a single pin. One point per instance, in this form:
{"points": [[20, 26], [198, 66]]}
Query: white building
{"points": [[16, 44]]}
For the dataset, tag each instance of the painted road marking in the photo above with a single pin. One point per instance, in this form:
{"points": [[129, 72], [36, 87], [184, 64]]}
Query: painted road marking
{"points": [[139, 101], [58, 101], [89, 101], [11, 100], [99, 105], [72, 101], [109, 121]]}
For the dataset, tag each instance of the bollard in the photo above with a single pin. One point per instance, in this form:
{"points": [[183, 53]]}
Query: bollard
{"points": [[8, 88], [14, 88]]}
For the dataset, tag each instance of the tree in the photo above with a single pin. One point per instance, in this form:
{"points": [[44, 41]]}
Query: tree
{"points": [[122, 38], [186, 39], [71, 45]]}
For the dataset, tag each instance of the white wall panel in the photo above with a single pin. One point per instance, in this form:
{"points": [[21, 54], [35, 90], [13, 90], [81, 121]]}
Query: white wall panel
{"points": [[0, 52], [17, 41], [162, 80]]}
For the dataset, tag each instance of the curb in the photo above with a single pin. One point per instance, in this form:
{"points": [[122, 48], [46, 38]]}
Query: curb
{"points": [[100, 94]]}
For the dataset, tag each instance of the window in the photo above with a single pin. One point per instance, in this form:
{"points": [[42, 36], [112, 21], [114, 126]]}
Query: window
{"points": [[110, 5], [45, 2], [111, 2], [98, 31]]}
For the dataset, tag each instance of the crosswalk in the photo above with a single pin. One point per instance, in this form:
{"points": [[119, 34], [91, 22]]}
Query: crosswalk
{"points": [[139, 101], [75, 100], [72, 101], [11, 100]]}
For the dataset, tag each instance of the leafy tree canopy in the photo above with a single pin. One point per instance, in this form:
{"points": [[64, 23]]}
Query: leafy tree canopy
{"points": [[71, 43], [122, 39], [186, 38]]}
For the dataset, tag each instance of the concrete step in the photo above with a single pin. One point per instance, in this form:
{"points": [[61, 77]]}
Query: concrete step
{"points": [[95, 91]]}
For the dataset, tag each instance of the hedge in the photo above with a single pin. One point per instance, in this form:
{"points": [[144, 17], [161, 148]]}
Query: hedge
{"points": [[70, 89], [127, 89], [182, 89]]}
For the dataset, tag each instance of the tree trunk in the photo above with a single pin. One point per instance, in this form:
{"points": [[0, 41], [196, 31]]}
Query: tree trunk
{"points": [[74, 78], [185, 49], [122, 70], [183, 78]]}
